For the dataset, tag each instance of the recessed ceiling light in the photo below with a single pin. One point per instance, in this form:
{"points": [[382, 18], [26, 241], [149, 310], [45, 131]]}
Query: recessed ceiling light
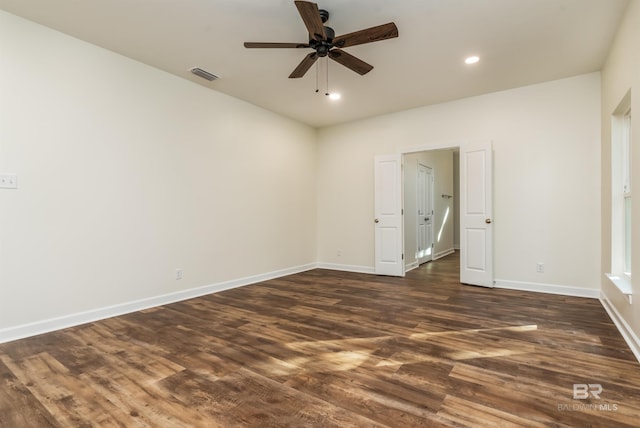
{"points": [[335, 96], [472, 60]]}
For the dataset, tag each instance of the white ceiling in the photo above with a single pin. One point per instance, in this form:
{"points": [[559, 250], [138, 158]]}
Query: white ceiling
{"points": [[520, 42]]}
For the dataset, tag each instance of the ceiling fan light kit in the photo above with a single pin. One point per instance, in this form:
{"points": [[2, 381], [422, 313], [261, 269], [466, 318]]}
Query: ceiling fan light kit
{"points": [[324, 43]]}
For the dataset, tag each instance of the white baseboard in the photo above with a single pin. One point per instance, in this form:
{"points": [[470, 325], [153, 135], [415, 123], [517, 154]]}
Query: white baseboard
{"points": [[564, 290], [411, 266], [625, 330], [436, 256], [52, 324], [444, 253], [346, 268]]}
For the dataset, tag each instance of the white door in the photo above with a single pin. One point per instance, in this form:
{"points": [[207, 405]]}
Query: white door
{"points": [[425, 214], [476, 222], [389, 237]]}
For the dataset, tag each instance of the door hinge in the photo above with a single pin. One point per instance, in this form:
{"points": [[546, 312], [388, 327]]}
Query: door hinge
{"points": [[402, 211], [402, 256]]}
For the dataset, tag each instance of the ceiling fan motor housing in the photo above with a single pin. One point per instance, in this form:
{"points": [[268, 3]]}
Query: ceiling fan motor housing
{"points": [[323, 47]]}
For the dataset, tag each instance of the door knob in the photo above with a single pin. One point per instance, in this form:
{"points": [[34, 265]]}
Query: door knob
{"points": [[488, 221], [426, 219], [376, 221]]}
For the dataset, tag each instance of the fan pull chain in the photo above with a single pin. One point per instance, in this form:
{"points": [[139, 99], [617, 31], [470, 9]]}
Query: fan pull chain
{"points": [[327, 93], [317, 89]]}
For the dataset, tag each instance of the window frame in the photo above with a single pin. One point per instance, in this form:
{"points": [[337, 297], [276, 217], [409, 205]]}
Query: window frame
{"points": [[621, 197], [626, 193]]}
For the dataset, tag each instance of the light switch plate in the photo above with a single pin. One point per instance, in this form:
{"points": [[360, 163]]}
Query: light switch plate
{"points": [[8, 181]]}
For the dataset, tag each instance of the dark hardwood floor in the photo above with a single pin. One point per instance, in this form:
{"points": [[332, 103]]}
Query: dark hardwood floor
{"points": [[326, 348]]}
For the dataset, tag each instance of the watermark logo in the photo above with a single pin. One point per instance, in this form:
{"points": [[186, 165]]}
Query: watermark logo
{"points": [[581, 391], [588, 391]]}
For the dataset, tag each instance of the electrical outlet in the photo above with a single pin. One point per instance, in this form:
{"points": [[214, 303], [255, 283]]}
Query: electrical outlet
{"points": [[540, 267], [178, 273], [8, 181]]}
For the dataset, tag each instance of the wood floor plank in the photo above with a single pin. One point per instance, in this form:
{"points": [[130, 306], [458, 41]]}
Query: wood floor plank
{"points": [[18, 406], [359, 397], [67, 398], [325, 348], [470, 414]]}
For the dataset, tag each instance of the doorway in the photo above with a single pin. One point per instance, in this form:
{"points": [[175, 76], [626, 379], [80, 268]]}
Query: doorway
{"points": [[474, 205], [430, 205]]}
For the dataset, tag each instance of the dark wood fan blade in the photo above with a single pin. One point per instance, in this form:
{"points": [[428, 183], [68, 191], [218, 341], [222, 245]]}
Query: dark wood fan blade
{"points": [[311, 17], [373, 34], [304, 66], [275, 45], [350, 61]]}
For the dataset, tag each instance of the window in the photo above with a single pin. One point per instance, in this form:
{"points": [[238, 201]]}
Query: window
{"points": [[621, 219]]}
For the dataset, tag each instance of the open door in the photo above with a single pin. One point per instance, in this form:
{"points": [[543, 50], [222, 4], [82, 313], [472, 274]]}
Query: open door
{"points": [[476, 221], [389, 235]]}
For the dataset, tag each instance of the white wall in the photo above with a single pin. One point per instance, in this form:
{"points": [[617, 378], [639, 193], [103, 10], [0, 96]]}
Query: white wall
{"points": [[441, 163], [546, 141], [620, 74], [126, 173]]}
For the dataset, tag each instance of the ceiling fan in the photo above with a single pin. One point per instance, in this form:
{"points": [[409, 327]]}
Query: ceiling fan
{"points": [[324, 43]]}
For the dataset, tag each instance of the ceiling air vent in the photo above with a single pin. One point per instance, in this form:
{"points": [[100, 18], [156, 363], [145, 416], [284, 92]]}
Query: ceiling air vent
{"points": [[204, 74]]}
